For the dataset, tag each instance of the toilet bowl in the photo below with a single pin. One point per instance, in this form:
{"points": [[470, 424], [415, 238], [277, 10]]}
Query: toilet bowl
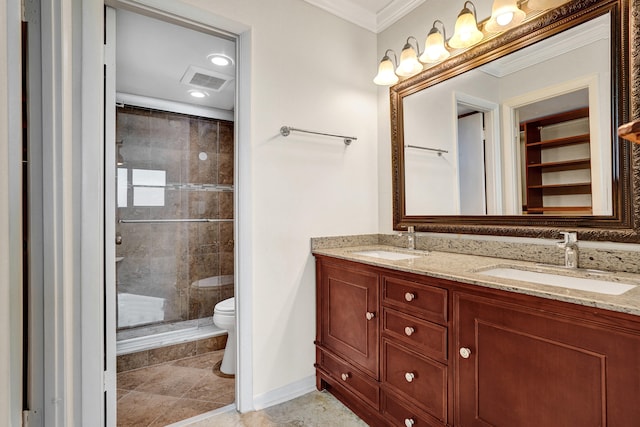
{"points": [[224, 316]]}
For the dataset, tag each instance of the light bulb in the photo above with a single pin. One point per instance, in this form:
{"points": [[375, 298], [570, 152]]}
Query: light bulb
{"points": [[505, 14], [504, 19]]}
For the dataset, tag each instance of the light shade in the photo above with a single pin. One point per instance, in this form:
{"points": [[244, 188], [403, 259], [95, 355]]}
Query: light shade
{"points": [[505, 14], [386, 75], [409, 64], [466, 30], [434, 48], [545, 4]]}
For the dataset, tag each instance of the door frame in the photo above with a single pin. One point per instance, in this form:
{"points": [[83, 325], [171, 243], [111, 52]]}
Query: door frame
{"points": [[493, 153], [192, 17], [11, 213]]}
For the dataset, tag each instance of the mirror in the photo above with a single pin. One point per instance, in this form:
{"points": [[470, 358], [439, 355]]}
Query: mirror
{"points": [[517, 136]]}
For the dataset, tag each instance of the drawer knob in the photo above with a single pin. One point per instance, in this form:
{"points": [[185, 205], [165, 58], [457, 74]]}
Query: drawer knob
{"points": [[409, 296], [409, 376], [345, 376], [408, 331], [409, 422], [370, 315], [465, 352]]}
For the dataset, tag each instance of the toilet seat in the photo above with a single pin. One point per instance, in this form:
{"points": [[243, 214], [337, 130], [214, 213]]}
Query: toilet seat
{"points": [[227, 307]]}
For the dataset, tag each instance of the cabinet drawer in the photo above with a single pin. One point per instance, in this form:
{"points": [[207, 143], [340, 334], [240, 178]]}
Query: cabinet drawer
{"points": [[353, 380], [426, 337], [400, 414], [421, 381], [423, 300]]}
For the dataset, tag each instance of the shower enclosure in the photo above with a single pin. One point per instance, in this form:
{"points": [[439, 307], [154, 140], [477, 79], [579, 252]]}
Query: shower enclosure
{"points": [[175, 247]]}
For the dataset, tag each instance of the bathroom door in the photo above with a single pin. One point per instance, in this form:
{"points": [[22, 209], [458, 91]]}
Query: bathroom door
{"points": [[110, 217], [471, 165]]}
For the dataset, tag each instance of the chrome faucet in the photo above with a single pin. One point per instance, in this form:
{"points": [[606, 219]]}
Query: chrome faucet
{"points": [[570, 246], [411, 237]]}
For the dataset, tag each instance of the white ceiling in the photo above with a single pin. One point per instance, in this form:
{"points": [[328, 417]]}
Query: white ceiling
{"points": [[374, 15], [152, 56]]}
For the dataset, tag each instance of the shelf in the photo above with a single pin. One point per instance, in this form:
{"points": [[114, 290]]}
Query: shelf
{"points": [[560, 209], [216, 188], [563, 189], [537, 169], [560, 142], [567, 116], [566, 165]]}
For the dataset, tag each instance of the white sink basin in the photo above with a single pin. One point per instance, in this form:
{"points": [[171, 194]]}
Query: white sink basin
{"points": [[600, 286], [388, 255]]}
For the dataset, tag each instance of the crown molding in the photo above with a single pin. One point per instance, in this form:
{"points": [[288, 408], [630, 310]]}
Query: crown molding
{"points": [[394, 11], [365, 18]]}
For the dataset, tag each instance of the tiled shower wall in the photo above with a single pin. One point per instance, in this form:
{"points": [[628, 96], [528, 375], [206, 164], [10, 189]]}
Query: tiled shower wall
{"points": [[191, 162]]}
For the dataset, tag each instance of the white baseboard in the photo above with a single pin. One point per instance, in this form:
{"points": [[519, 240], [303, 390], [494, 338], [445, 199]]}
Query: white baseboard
{"points": [[203, 417], [283, 394]]}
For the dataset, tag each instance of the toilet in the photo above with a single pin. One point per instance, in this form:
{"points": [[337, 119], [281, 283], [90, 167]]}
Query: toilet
{"points": [[224, 316]]}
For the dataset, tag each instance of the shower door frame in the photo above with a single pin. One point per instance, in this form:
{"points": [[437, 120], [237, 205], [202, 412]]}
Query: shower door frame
{"points": [[194, 18]]}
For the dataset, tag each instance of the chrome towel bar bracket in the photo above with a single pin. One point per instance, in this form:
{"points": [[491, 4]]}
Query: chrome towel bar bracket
{"points": [[286, 130], [437, 150]]}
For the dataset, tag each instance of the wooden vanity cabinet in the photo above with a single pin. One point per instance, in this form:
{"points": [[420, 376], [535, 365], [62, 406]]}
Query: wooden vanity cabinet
{"points": [[532, 367], [347, 335], [442, 353]]}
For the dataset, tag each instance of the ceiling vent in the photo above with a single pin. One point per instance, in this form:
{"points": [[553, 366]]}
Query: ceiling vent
{"points": [[205, 79]]}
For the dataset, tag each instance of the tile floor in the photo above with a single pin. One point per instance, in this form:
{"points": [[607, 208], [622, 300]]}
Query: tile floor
{"points": [[316, 409], [162, 394]]}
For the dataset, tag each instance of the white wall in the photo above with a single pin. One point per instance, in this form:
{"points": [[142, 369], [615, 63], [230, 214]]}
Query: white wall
{"points": [[311, 70], [10, 216]]}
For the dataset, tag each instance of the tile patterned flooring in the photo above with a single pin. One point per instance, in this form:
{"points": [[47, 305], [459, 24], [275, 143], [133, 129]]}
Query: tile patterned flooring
{"points": [[162, 394], [315, 409]]}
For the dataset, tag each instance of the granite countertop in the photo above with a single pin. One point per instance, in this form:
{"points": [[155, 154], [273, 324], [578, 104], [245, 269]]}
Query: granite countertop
{"points": [[467, 268]]}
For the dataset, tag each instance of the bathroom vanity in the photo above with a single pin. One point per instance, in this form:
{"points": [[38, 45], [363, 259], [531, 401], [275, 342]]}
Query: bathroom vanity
{"points": [[429, 341]]}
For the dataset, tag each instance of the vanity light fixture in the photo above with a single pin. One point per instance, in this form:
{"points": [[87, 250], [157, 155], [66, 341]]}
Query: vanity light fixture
{"points": [[409, 64], [466, 32], [386, 70], [545, 4], [505, 14], [434, 46]]}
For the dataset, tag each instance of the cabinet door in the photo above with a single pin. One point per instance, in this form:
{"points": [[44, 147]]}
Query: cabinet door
{"points": [[349, 306], [529, 369]]}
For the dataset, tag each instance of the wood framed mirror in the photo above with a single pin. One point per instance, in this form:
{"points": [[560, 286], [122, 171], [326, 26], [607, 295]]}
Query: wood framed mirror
{"points": [[602, 201]]}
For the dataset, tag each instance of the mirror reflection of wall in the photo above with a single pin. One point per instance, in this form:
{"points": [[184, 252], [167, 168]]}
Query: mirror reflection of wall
{"points": [[565, 72]]}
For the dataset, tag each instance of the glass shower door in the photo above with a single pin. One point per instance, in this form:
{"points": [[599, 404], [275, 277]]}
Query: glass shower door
{"points": [[174, 217]]}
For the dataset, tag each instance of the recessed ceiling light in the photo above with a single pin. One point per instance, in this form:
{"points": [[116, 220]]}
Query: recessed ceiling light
{"points": [[198, 93], [220, 59]]}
